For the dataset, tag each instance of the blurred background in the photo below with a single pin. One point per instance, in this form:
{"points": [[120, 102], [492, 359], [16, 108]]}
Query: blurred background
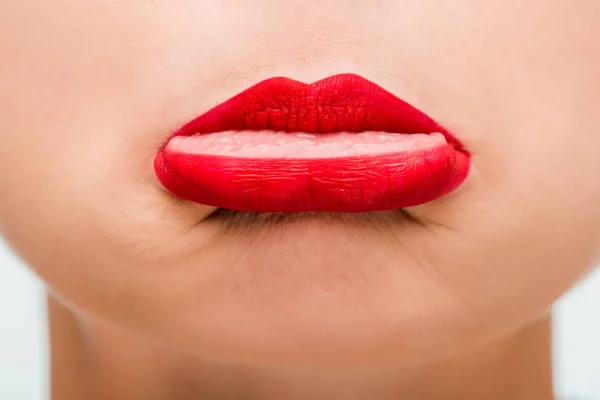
{"points": [[24, 348]]}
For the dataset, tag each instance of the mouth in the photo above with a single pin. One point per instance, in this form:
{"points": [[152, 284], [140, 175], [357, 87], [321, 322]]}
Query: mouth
{"points": [[341, 144]]}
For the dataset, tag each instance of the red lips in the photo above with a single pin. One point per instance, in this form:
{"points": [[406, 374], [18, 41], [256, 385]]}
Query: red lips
{"points": [[303, 165]]}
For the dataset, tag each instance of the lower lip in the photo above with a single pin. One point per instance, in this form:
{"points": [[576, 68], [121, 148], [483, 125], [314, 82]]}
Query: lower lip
{"points": [[270, 171]]}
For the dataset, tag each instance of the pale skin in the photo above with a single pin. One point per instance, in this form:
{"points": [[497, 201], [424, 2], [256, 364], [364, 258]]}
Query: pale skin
{"points": [[149, 298]]}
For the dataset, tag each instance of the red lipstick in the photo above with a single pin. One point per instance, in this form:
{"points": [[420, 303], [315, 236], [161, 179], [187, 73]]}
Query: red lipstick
{"points": [[341, 144]]}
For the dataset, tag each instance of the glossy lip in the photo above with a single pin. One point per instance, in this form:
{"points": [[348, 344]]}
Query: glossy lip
{"points": [[340, 103]]}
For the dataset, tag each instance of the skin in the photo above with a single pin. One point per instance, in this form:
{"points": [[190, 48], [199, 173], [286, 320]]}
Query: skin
{"points": [[151, 299]]}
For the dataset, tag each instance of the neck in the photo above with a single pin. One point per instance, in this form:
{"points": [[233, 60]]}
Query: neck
{"points": [[93, 361]]}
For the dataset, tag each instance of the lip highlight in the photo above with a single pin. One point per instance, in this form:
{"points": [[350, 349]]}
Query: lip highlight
{"points": [[341, 144]]}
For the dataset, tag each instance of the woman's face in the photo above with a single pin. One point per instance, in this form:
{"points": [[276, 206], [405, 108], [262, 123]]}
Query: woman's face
{"points": [[90, 90]]}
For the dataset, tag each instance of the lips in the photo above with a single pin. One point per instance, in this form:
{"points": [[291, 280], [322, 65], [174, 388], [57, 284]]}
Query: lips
{"points": [[341, 144]]}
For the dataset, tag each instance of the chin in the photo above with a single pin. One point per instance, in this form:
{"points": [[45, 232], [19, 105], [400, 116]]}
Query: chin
{"points": [[312, 290]]}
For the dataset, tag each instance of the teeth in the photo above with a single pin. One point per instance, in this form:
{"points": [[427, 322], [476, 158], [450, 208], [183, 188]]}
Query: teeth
{"points": [[270, 144]]}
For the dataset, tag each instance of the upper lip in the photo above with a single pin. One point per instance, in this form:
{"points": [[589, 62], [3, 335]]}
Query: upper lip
{"points": [[344, 102]]}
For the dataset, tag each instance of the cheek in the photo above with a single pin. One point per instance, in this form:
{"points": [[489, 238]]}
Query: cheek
{"points": [[518, 246], [87, 215]]}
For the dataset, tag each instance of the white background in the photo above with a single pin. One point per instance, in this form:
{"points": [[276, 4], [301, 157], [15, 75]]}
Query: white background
{"points": [[24, 349]]}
